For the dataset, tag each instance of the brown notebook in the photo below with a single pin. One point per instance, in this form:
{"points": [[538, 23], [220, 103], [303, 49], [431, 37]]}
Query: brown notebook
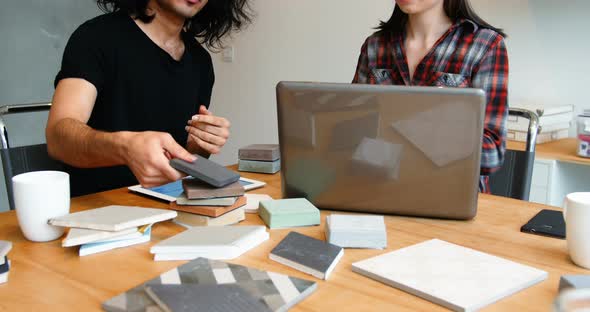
{"points": [[210, 211], [197, 189]]}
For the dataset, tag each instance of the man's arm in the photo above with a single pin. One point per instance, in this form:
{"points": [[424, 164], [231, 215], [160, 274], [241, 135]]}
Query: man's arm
{"points": [[207, 133], [72, 141], [69, 139], [194, 148]]}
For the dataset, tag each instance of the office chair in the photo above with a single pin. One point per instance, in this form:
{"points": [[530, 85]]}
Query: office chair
{"points": [[17, 160], [514, 178]]}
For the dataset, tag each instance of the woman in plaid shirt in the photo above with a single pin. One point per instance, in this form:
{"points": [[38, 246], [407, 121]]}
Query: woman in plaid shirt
{"points": [[443, 43]]}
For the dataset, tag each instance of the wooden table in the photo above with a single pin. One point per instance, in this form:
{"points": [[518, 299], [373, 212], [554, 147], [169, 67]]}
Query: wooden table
{"points": [[564, 150], [45, 276], [557, 171]]}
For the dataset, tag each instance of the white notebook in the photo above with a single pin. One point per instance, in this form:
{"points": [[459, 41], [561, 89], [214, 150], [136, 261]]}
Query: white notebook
{"points": [[114, 243], [77, 236], [113, 218], [227, 242], [453, 276]]}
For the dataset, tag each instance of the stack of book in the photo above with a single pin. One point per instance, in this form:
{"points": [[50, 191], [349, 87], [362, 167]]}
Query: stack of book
{"points": [[204, 205], [5, 248], [110, 227], [260, 158], [554, 124]]}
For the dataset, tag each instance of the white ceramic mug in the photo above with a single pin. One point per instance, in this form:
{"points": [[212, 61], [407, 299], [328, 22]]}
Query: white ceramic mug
{"points": [[576, 210], [38, 197]]}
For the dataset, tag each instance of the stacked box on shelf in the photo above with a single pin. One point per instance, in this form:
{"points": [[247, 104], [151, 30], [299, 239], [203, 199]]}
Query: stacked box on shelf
{"points": [[554, 124]]}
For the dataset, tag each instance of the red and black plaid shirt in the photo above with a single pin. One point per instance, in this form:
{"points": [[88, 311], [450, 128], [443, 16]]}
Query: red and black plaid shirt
{"points": [[465, 56]]}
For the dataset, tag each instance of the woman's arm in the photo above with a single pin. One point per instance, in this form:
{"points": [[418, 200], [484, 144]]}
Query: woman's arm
{"points": [[491, 75], [362, 68]]}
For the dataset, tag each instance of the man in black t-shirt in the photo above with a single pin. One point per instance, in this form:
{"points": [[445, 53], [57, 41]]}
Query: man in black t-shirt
{"points": [[134, 89]]}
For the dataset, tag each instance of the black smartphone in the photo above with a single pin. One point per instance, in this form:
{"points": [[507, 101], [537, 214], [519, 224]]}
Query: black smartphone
{"points": [[547, 223]]}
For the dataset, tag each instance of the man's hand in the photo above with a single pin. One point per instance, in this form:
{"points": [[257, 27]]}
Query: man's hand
{"points": [[148, 154], [209, 132]]}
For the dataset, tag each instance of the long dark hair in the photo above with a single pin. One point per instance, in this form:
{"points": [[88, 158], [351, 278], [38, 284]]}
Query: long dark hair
{"points": [[454, 9], [210, 25]]}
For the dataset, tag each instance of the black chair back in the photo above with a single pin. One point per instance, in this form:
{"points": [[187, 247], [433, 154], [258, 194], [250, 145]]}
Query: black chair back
{"points": [[514, 178], [17, 160]]}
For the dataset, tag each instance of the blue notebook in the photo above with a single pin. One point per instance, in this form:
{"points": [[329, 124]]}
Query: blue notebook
{"points": [[171, 191], [110, 244]]}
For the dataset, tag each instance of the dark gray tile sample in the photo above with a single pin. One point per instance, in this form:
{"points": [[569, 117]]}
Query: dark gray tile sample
{"points": [[267, 287], [206, 298], [307, 251]]}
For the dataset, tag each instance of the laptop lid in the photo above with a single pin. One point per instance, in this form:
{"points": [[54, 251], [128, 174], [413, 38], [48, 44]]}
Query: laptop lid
{"points": [[382, 149]]}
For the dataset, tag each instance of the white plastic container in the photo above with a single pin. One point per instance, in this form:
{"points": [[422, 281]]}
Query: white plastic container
{"points": [[584, 134]]}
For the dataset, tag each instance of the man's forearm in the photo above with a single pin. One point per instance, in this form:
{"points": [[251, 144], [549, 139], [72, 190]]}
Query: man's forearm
{"points": [[77, 144]]}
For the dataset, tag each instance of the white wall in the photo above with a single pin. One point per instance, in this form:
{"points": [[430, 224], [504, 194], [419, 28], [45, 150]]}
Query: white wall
{"points": [[547, 45], [23, 129], [306, 40], [320, 41]]}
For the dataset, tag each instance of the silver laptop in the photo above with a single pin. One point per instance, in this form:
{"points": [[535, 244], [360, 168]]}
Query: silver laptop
{"points": [[382, 149]]}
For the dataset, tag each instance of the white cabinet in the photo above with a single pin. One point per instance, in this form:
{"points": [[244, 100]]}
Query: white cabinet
{"points": [[541, 185], [553, 179]]}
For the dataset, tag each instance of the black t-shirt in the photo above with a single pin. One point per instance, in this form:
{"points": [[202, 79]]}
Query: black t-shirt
{"points": [[140, 87]]}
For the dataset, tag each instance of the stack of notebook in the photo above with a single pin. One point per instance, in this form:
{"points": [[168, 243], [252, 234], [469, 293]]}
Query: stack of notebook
{"points": [[261, 158], [205, 205], [554, 123], [209, 285], [219, 243], [110, 227], [354, 231], [5, 248]]}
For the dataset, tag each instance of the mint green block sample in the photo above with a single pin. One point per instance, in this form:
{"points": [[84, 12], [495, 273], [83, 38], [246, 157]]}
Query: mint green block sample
{"points": [[259, 166], [292, 212]]}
